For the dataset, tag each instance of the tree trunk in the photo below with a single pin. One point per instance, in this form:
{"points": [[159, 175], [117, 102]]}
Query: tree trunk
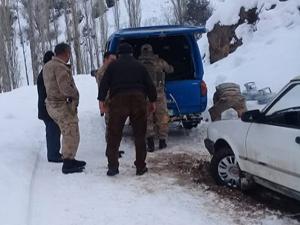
{"points": [[77, 47], [104, 31], [117, 15], [134, 12], [22, 43], [32, 41]]}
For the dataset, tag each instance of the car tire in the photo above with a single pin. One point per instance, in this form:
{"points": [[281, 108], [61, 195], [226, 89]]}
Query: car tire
{"points": [[224, 168]]}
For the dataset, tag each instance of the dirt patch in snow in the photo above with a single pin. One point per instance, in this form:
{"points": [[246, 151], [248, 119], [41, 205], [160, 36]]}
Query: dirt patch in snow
{"points": [[192, 170]]}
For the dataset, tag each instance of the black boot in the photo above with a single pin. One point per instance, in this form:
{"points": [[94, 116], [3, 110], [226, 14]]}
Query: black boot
{"points": [[150, 144], [162, 143], [112, 172], [73, 166], [59, 159], [140, 172]]}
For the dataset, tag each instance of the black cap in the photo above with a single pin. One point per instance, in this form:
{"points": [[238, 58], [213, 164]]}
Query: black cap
{"points": [[125, 48], [48, 56]]}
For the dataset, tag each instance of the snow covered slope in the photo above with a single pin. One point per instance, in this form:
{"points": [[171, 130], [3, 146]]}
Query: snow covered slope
{"points": [[271, 50]]}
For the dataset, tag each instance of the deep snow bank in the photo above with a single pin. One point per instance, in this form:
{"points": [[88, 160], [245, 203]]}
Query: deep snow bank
{"points": [[270, 51]]}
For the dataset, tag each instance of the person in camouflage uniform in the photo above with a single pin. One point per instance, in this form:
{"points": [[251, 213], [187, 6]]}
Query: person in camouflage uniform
{"points": [[157, 122], [61, 103], [108, 58]]}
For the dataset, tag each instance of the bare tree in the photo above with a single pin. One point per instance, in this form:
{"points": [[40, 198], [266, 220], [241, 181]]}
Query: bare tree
{"points": [[22, 41], [9, 72], [76, 36], [42, 24], [197, 12], [193, 12], [134, 12], [95, 35], [29, 6], [87, 33], [117, 13], [179, 8], [53, 18], [68, 30], [103, 31]]}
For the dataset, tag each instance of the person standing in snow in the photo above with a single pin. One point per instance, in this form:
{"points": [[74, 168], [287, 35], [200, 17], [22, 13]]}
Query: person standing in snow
{"points": [[52, 130], [157, 122], [62, 102], [128, 83], [108, 58]]}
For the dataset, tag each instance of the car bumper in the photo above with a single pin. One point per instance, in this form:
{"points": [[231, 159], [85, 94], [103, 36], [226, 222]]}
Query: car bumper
{"points": [[210, 146]]}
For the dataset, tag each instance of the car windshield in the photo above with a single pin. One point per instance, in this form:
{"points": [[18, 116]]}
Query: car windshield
{"points": [[288, 102]]}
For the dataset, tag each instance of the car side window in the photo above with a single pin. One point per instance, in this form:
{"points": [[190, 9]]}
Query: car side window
{"points": [[289, 100], [286, 119], [286, 111]]}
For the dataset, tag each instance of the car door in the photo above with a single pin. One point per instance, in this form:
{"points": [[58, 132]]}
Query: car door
{"points": [[273, 145]]}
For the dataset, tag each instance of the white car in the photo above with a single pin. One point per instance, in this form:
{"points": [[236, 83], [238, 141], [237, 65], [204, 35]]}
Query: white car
{"points": [[263, 147]]}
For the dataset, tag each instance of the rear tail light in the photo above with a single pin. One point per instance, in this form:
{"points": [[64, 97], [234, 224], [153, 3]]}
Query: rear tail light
{"points": [[203, 88]]}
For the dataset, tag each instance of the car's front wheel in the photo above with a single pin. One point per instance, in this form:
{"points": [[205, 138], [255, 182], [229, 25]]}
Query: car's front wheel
{"points": [[224, 168]]}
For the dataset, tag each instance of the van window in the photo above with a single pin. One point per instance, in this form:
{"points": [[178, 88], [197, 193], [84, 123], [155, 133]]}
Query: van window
{"points": [[176, 50]]}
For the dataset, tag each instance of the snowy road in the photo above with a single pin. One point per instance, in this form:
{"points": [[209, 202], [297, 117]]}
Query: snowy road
{"points": [[94, 198], [37, 193]]}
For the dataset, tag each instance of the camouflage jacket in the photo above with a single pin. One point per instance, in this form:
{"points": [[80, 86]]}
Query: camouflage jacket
{"points": [[157, 68], [59, 82], [99, 74]]}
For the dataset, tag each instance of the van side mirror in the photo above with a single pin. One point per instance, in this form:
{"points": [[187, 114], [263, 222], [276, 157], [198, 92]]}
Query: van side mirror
{"points": [[252, 116]]}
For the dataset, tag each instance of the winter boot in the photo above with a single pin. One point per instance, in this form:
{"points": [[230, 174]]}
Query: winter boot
{"points": [[73, 166], [57, 160], [140, 172], [112, 172], [162, 143], [150, 144]]}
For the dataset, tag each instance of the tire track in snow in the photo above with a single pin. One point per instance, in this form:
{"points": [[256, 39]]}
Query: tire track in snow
{"points": [[31, 185]]}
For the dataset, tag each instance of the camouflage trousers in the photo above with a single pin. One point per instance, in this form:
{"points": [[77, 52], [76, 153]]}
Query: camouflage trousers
{"points": [[158, 122], [65, 115]]}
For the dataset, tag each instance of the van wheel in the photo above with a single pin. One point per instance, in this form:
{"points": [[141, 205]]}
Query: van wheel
{"points": [[224, 168]]}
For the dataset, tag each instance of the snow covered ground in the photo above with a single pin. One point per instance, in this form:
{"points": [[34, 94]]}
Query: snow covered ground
{"points": [[270, 51], [34, 192]]}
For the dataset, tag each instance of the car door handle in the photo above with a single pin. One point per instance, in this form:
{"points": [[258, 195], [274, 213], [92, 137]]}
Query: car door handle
{"points": [[297, 140]]}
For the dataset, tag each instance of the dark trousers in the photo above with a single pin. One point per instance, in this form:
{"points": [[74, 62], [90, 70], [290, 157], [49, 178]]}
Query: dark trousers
{"points": [[122, 106], [53, 140]]}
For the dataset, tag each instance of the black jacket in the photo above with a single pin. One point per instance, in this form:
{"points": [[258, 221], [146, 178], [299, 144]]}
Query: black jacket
{"points": [[126, 74], [42, 95]]}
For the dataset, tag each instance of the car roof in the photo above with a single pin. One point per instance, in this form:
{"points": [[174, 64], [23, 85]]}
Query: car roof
{"points": [[296, 78], [159, 30]]}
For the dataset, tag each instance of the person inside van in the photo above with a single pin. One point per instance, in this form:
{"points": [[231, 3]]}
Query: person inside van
{"points": [[158, 120]]}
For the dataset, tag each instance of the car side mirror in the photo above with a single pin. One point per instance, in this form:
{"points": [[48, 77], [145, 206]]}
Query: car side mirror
{"points": [[252, 116]]}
